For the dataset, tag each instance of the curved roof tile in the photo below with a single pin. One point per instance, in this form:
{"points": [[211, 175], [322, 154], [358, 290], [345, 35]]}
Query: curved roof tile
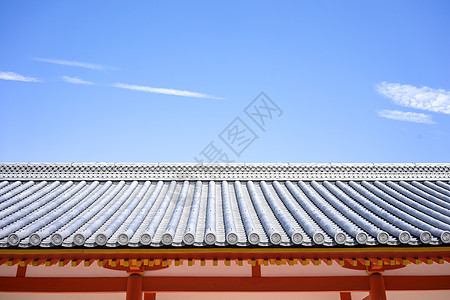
{"points": [[183, 205]]}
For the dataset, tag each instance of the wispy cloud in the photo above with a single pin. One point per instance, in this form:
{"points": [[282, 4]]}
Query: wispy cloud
{"points": [[74, 64], [425, 98], [17, 77], [75, 80], [148, 89], [406, 116]]}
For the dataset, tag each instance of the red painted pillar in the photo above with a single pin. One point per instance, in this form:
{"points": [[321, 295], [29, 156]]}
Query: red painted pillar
{"points": [[134, 287], [346, 296], [377, 290]]}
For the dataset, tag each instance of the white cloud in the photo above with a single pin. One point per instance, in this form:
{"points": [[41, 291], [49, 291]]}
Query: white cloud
{"points": [[406, 116], [17, 77], [162, 91], [74, 64], [425, 98], [75, 80]]}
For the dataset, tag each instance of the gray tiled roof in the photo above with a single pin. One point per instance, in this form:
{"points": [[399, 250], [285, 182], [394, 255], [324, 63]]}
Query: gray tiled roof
{"points": [[152, 205]]}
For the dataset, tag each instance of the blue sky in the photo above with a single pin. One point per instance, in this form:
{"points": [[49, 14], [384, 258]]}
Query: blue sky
{"points": [[145, 81]]}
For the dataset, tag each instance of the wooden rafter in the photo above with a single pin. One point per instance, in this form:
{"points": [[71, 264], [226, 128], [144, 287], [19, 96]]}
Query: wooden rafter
{"points": [[351, 257]]}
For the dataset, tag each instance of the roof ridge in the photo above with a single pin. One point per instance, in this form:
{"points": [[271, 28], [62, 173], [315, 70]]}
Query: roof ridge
{"points": [[221, 171]]}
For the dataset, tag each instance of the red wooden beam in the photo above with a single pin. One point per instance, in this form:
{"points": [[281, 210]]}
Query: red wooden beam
{"points": [[184, 284], [417, 283], [63, 284], [220, 284], [255, 284]]}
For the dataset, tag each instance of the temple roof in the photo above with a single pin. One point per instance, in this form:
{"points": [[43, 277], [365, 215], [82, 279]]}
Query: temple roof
{"points": [[217, 205]]}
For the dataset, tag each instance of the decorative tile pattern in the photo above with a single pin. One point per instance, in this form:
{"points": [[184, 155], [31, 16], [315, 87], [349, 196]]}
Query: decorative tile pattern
{"points": [[203, 171]]}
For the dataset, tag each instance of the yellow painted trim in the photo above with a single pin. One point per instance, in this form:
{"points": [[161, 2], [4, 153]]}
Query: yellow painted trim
{"points": [[226, 250]]}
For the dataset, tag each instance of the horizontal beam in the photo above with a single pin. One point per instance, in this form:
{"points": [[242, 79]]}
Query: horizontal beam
{"points": [[63, 284], [220, 284], [256, 284], [416, 283]]}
